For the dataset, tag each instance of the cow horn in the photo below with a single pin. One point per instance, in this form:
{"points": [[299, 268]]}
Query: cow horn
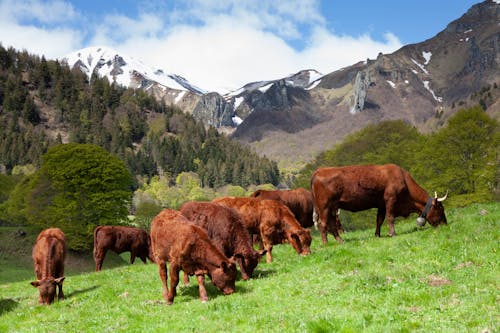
{"points": [[443, 198]]}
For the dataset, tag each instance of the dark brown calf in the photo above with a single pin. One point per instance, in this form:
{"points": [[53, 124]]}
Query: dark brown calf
{"points": [[272, 221], [49, 254], [121, 239], [186, 247], [225, 228]]}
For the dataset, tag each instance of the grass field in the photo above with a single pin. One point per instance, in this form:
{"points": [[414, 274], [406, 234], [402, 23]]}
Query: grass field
{"points": [[423, 280]]}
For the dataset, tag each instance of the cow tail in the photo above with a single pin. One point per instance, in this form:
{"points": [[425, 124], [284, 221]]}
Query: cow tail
{"points": [[315, 216], [95, 238]]}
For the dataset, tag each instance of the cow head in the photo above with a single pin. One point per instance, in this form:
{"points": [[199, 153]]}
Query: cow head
{"points": [[248, 262], [223, 277], [47, 288], [302, 241], [434, 212]]}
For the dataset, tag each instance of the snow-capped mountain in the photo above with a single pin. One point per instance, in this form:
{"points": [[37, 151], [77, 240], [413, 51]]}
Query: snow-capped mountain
{"points": [[125, 70], [303, 79]]}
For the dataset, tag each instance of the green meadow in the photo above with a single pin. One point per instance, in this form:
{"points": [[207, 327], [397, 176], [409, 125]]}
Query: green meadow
{"points": [[427, 279]]}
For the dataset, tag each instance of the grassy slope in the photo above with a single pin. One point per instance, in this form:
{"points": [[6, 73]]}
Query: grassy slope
{"points": [[429, 280], [16, 262]]}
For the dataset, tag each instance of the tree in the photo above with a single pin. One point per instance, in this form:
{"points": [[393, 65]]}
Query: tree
{"points": [[78, 187], [463, 156]]}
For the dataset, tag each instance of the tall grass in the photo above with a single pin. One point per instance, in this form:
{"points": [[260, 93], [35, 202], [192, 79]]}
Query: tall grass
{"points": [[442, 279]]}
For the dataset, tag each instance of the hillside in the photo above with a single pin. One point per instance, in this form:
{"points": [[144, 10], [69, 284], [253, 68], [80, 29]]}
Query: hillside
{"points": [[44, 103], [423, 84], [422, 280]]}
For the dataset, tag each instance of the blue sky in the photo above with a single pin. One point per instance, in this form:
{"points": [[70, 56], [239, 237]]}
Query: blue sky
{"points": [[223, 44]]}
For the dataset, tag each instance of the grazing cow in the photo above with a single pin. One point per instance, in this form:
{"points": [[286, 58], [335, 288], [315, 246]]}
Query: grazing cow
{"points": [[389, 188], [272, 221], [49, 254], [299, 201], [121, 239], [186, 247], [225, 228]]}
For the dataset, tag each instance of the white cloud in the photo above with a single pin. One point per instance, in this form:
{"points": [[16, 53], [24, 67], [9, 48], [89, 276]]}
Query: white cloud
{"points": [[216, 45], [44, 12], [50, 40]]}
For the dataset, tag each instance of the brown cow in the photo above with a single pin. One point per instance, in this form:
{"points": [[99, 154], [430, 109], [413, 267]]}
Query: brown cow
{"points": [[121, 239], [272, 221], [49, 254], [299, 201], [389, 188], [225, 228], [187, 247]]}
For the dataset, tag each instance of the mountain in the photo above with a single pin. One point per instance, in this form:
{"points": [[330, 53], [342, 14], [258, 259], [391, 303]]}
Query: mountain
{"points": [[294, 118], [422, 83]]}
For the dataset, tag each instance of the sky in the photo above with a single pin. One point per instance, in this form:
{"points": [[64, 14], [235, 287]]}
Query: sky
{"points": [[220, 45]]}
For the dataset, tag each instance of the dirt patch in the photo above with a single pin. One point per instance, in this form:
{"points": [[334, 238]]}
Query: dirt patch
{"points": [[464, 265], [437, 281]]}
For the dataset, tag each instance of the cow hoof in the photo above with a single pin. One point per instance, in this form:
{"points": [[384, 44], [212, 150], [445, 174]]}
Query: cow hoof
{"points": [[339, 240], [170, 302]]}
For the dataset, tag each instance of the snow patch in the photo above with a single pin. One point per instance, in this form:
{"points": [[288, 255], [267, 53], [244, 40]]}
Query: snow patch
{"points": [[427, 56], [391, 83], [427, 86], [237, 120], [312, 86], [179, 97], [238, 101], [407, 82], [266, 87], [414, 71], [420, 66], [313, 76], [467, 31]]}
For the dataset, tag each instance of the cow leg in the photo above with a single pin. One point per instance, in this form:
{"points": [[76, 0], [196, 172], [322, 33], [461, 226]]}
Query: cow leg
{"points": [[390, 220], [185, 278], [174, 281], [143, 259], [162, 269], [132, 257], [380, 220], [201, 287], [268, 245], [340, 229], [99, 258], [332, 223], [323, 213], [60, 294]]}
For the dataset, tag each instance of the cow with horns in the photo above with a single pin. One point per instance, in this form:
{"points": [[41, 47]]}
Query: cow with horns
{"points": [[389, 188]]}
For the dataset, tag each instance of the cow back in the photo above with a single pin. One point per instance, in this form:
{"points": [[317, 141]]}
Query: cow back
{"points": [[49, 253]]}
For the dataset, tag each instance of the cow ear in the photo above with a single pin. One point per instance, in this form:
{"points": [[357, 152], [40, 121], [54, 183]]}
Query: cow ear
{"points": [[60, 280], [262, 252], [35, 283]]}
